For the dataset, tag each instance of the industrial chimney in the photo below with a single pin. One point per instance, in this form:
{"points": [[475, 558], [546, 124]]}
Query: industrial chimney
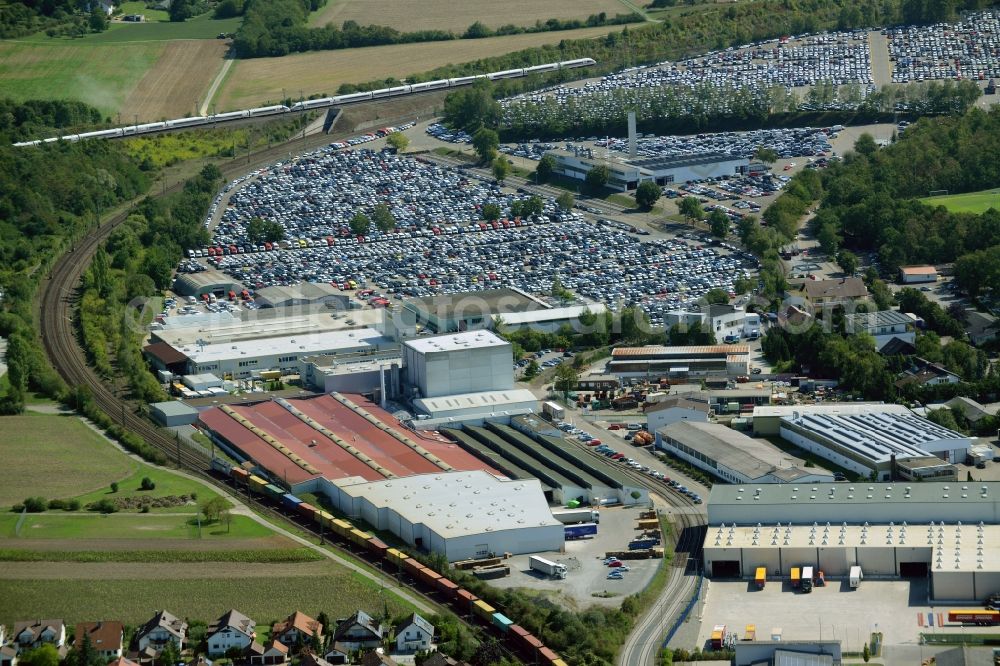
{"points": [[631, 134]]}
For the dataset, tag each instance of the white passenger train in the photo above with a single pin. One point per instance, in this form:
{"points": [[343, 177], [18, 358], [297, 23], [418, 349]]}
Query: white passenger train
{"points": [[308, 105]]}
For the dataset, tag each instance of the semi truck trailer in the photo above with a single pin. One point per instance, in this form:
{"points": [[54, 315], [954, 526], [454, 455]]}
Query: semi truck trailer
{"points": [[581, 531], [547, 567], [572, 516]]}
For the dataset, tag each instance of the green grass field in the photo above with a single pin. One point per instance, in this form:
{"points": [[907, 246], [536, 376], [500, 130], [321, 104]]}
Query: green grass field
{"points": [[260, 555], [972, 202], [56, 525], [99, 74], [156, 28], [57, 457], [263, 598], [139, 7], [167, 483]]}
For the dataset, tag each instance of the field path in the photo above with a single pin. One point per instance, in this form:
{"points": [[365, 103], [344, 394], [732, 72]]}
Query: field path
{"points": [[219, 78], [176, 85]]}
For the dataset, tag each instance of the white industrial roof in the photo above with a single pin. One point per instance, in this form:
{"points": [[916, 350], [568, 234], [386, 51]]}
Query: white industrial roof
{"points": [[455, 341], [485, 400], [855, 494], [831, 408], [551, 314], [215, 327], [173, 408], [456, 504], [953, 546], [299, 345], [874, 436]]}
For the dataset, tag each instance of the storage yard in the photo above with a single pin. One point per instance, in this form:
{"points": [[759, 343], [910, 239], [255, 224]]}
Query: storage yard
{"points": [[969, 49]]}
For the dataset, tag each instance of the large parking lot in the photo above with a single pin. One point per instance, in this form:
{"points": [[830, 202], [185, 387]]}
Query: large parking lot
{"points": [[969, 49], [587, 577]]}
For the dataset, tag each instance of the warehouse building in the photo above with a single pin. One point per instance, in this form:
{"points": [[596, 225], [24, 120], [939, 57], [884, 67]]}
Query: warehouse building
{"points": [[625, 174], [947, 532], [303, 294], [679, 362], [204, 283], [767, 418], [868, 443], [674, 409], [362, 373], [173, 413], [917, 274], [460, 515], [213, 327], [550, 320], [475, 408], [249, 357], [734, 457], [459, 363], [467, 311], [727, 322]]}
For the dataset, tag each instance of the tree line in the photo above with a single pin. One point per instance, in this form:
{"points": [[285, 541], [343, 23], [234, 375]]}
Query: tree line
{"points": [[279, 27]]}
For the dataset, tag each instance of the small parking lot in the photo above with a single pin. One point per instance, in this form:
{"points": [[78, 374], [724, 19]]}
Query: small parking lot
{"points": [[586, 580], [898, 609]]}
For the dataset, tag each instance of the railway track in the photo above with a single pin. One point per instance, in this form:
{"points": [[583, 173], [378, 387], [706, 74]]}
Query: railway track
{"points": [[643, 644]]}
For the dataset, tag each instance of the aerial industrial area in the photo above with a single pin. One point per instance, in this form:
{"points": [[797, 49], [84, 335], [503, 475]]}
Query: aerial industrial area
{"points": [[414, 391]]}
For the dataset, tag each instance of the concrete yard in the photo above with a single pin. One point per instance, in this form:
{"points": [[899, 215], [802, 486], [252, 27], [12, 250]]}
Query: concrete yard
{"points": [[586, 573], [898, 609]]}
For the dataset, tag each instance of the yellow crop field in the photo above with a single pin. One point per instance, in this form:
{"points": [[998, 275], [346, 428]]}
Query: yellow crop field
{"points": [[258, 80], [447, 15]]}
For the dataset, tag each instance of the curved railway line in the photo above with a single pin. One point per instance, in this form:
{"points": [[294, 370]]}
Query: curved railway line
{"points": [[56, 313]]}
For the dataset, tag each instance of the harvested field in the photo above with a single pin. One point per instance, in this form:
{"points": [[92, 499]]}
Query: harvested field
{"points": [[177, 83], [315, 588], [102, 75], [443, 15], [77, 460], [32, 544], [259, 80]]}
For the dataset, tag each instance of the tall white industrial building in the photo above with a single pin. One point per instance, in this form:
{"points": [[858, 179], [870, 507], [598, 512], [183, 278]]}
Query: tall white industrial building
{"points": [[458, 363]]}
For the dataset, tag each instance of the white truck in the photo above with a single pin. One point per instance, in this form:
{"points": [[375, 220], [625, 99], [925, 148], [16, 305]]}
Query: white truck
{"points": [[573, 516], [554, 411], [547, 567], [856, 577]]}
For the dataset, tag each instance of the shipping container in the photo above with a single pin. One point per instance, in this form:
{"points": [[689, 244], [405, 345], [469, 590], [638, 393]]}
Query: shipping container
{"points": [[447, 586], [976, 616], [465, 598], [323, 518], [274, 491], [718, 636], [483, 610], [502, 622], [548, 656], [241, 474], [257, 483], [358, 537], [760, 577], [396, 556], [377, 546], [307, 510], [412, 567], [341, 527], [290, 501], [796, 579]]}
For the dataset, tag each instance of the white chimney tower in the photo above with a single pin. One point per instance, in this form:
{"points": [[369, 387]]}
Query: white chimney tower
{"points": [[631, 134]]}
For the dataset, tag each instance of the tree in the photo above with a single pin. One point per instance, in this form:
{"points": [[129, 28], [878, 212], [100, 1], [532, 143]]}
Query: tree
{"points": [[743, 285], [691, 209], [647, 194], [491, 212], [866, 653], [565, 201], [213, 508], [716, 297], [718, 222], [546, 167], [533, 206], [765, 155], [398, 140], [566, 378], [383, 217], [485, 142], [531, 370], [147, 484], [360, 224], [847, 261], [488, 653], [98, 20], [597, 177], [473, 107], [180, 10], [168, 655], [501, 168], [114, 486], [46, 655]]}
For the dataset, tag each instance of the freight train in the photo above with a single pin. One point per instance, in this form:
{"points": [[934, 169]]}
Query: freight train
{"points": [[517, 638], [308, 105]]}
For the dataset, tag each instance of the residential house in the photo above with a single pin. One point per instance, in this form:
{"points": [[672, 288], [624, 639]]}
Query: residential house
{"points": [[673, 409], [310, 659], [834, 293], [971, 410], [35, 633], [159, 630], [105, 637], [884, 325], [234, 630], [337, 653], [122, 661], [297, 627], [414, 634], [980, 327], [924, 373], [274, 653], [727, 322], [8, 655], [377, 658], [897, 347], [359, 632]]}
